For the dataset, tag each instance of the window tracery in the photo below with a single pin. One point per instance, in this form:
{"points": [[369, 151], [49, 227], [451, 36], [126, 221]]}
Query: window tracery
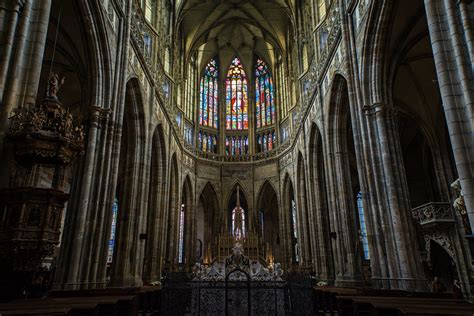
{"points": [[236, 97], [264, 95], [209, 95]]}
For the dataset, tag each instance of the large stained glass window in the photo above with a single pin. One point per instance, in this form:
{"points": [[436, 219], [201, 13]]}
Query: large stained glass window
{"points": [[209, 91], [237, 117], [362, 227], [264, 95]]}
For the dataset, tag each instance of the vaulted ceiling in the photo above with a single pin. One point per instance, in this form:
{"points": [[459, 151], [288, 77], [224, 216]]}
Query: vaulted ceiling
{"points": [[235, 27]]}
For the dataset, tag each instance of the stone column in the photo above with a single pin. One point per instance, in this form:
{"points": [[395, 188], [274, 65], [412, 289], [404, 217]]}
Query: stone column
{"points": [[22, 59], [394, 215], [450, 30]]}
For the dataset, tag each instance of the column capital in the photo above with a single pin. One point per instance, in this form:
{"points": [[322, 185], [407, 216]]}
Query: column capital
{"points": [[374, 108], [98, 112], [379, 108]]}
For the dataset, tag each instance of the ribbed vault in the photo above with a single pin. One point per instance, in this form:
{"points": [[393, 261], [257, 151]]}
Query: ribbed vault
{"points": [[232, 27]]}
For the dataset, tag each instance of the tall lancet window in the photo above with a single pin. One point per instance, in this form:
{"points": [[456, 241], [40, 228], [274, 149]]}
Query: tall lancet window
{"points": [[237, 117], [296, 252], [238, 219], [110, 253], [264, 95], [209, 91], [362, 227], [209, 108], [181, 235]]}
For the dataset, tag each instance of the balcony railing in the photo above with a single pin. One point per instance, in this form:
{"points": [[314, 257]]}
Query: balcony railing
{"points": [[434, 213]]}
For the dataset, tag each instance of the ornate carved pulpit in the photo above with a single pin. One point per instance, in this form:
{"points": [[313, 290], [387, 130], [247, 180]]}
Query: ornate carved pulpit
{"points": [[44, 141]]}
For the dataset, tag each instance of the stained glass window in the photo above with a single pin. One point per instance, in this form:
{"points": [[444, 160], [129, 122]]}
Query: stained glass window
{"points": [[236, 97], [181, 235], [209, 95], [266, 141], [112, 231], [237, 145], [264, 95], [238, 222], [362, 227], [207, 142], [295, 231]]}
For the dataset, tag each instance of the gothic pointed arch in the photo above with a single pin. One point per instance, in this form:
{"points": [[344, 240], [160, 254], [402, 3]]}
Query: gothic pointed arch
{"points": [[268, 227], [237, 102], [305, 216], [238, 213], [289, 216], [186, 242], [129, 187], [156, 207], [209, 95], [321, 224], [208, 223], [170, 242]]}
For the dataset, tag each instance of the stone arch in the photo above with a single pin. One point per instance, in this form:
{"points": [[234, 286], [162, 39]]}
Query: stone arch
{"points": [[208, 223], [131, 184], [342, 176], [290, 223], [303, 213], [322, 249], [373, 55], [244, 203], [269, 228], [156, 203], [187, 206], [172, 215], [415, 94]]}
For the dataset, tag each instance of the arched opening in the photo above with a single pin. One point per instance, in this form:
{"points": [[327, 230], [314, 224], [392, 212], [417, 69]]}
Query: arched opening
{"points": [[238, 214], [185, 217], [269, 223], [156, 201], [290, 216], [304, 214], [423, 133], [427, 164], [324, 265], [345, 187], [172, 216], [442, 266], [419, 163], [126, 268], [206, 224]]}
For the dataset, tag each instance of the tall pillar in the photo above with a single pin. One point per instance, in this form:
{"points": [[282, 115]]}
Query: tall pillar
{"points": [[449, 24], [394, 216], [22, 56]]}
